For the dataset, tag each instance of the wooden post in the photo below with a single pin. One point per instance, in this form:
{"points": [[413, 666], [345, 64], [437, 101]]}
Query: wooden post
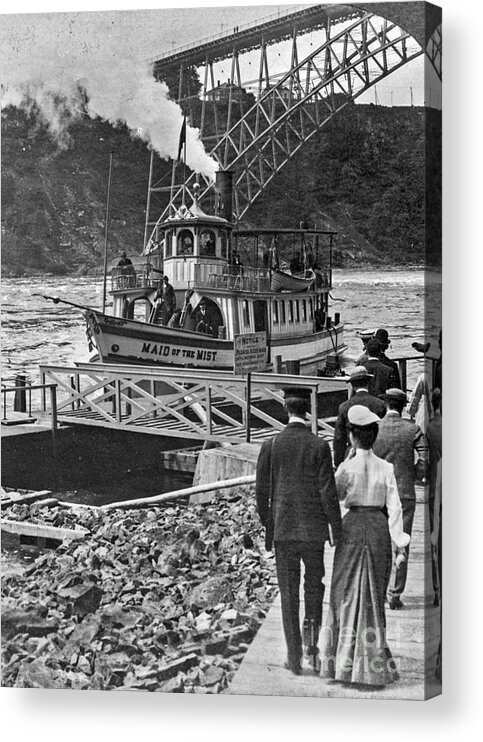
{"points": [[20, 400], [277, 365], [152, 389], [118, 401], [128, 406], [248, 394], [42, 381], [313, 417], [403, 373], [72, 386], [209, 419], [53, 411]]}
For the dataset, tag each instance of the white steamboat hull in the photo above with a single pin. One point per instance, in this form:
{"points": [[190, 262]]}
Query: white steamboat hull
{"points": [[129, 341]]}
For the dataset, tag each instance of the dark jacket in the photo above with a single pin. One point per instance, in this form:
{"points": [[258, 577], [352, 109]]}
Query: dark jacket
{"points": [[383, 378], [397, 441], [341, 436], [395, 381], [304, 493]]}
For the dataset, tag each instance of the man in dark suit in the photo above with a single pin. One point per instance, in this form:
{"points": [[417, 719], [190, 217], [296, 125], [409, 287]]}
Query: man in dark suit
{"points": [[384, 342], [295, 474], [382, 375], [365, 336], [359, 379], [398, 440]]}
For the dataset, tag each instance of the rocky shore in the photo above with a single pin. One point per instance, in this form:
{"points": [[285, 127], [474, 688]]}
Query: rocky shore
{"points": [[157, 599]]}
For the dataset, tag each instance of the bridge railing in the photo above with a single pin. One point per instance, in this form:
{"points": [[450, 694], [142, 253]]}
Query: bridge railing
{"points": [[183, 403]]}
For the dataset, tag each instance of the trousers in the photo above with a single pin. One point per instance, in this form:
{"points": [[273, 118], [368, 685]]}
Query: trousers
{"points": [[397, 582], [288, 558]]}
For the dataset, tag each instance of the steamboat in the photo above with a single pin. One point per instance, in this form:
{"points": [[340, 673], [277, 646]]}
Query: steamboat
{"points": [[202, 283]]}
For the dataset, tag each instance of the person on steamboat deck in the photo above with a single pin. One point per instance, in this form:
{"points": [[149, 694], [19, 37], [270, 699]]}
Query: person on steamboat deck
{"points": [[354, 646]]}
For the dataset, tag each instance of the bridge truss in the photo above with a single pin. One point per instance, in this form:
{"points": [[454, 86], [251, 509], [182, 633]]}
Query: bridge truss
{"points": [[256, 135]]}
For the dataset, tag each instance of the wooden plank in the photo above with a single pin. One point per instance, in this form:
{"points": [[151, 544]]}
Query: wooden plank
{"points": [[37, 530], [26, 499]]}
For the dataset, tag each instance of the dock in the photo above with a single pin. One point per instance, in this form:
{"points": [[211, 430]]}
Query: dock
{"points": [[412, 632]]}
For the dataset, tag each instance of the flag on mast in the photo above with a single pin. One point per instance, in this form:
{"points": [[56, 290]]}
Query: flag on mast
{"points": [[182, 138]]}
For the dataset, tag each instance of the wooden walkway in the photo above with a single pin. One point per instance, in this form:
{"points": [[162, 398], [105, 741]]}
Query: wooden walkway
{"points": [[413, 636]]}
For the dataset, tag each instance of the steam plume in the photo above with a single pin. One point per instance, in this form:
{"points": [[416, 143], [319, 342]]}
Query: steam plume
{"points": [[48, 60]]}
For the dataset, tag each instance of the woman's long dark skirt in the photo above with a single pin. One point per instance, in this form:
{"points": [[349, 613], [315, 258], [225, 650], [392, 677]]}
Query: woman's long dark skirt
{"points": [[354, 637]]}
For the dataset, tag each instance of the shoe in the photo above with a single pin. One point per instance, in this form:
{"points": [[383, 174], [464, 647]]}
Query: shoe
{"points": [[294, 667], [395, 604]]}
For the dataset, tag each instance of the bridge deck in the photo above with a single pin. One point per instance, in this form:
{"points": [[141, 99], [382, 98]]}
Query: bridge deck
{"points": [[413, 636]]}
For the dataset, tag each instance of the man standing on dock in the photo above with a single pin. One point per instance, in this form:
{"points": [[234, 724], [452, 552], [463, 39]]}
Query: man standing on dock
{"points": [[359, 379], [384, 342], [398, 440], [295, 491], [382, 376]]}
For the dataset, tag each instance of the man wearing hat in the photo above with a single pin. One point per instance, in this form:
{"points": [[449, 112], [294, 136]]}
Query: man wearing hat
{"points": [[398, 440], [359, 379], [295, 488], [384, 342], [365, 336], [382, 375]]}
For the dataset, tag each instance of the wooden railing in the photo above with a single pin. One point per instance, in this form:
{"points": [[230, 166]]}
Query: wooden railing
{"points": [[23, 404], [182, 403]]}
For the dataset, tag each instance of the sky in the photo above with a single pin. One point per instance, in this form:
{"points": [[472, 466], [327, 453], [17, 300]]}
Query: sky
{"points": [[47, 56]]}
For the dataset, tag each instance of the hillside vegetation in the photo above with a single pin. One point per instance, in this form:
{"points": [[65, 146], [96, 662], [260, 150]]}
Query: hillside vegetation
{"points": [[363, 176]]}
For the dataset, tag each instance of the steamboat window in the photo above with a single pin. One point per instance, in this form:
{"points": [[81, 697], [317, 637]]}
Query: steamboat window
{"points": [[297, 311], [304, 310], [290, 311], [185, 242], [282, 312], [207, 242], [311, 309], [168, 243], [275, 312], [246, 314]]}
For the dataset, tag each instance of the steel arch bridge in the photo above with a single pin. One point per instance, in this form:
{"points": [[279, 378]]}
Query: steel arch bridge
{"points": [[351, 49]]}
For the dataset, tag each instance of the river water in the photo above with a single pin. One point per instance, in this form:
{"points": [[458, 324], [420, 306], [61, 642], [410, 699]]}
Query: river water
{"points": [[36, 331]]}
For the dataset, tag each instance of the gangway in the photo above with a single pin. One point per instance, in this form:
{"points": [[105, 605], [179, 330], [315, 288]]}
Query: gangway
{"points": [[186, 403]]}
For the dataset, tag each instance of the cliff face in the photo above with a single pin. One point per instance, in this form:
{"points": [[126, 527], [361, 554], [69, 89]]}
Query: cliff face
{"points": [[54, 200], [363, 176]]}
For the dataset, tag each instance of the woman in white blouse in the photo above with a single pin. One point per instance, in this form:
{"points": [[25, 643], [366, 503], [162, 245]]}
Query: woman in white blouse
{"points": [[354, 638]]}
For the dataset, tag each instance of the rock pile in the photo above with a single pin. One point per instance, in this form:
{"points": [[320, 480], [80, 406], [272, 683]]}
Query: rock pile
{"points": [[155, 599]]}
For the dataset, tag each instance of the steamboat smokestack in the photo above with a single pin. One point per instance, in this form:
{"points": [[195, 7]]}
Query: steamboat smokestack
{"points": [[224, 194]]}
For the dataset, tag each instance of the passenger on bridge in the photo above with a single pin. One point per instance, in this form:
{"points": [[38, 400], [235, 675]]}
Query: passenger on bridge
{"points": [[124, 261], [237, 264], [126, 269]]}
